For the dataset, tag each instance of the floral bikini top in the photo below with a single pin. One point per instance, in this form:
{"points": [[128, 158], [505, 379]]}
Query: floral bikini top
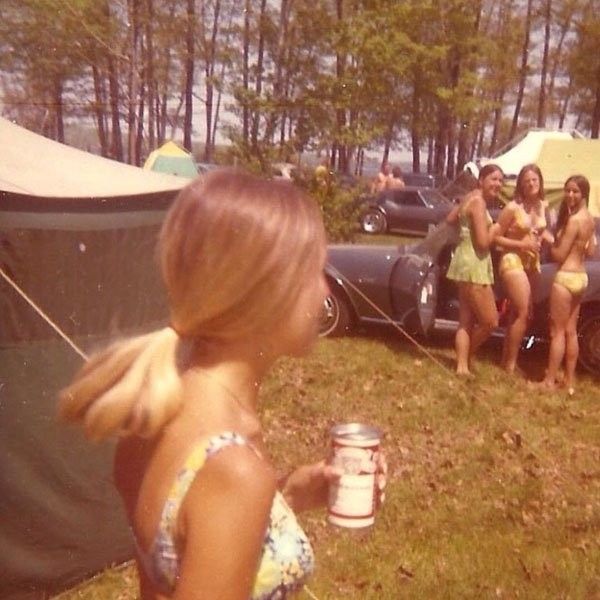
{"points": [[287, 557], [525, 222]]}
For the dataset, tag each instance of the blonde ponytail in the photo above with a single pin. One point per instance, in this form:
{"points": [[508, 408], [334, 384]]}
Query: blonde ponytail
{"points": [[132, 386]]}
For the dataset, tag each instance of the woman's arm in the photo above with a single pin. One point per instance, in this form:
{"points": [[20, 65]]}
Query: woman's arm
{"points": [[452, 217], [482, 233], [505, 220], [591, 246], [224, 519], [564, 242]]}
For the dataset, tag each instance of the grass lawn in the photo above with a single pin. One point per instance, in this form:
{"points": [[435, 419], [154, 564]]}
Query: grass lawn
{"points": [[493, 492]]}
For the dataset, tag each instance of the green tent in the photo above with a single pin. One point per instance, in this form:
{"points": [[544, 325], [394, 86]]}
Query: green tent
{"points": [[170, 158], [77, 238]]}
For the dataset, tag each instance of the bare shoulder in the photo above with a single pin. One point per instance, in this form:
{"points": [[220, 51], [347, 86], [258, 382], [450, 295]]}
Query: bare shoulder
{"points": [[474, 201], [232, 469]]}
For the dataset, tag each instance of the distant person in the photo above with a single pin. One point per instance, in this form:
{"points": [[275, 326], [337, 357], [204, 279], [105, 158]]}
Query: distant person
{"points": [[575, 240], [380, 183], [471, 267], [395, 182], [322, 172], [524, 222], [242, 260]]}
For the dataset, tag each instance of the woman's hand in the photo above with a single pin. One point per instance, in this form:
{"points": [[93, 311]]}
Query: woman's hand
{"points": [[546, 236], [531, 243], [308, 486]]}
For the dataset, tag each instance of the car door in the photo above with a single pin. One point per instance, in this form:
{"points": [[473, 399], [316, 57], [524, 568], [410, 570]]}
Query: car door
{"points": [[412, 214], [414, 290]]}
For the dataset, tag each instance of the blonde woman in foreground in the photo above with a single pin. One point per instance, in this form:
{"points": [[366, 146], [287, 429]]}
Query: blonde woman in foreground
{"points": [[242, 260], [471, 267], [575, 240]]}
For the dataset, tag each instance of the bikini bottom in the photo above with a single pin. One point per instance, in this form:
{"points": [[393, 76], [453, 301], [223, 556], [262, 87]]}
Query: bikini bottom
{"points": [[574, 281], [511, 261]]}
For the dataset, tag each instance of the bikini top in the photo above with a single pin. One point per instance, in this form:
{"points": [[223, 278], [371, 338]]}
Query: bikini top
{"points": [[524, 222], [287, 557]]}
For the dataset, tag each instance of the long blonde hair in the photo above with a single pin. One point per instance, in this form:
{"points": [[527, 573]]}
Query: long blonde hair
{"points": [[235, 252]]}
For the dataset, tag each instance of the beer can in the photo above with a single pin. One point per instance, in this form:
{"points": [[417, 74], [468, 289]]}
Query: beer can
{"points": [[354, 449]]}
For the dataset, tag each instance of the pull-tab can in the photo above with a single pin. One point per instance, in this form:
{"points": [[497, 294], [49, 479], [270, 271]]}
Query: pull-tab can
{"points": [[354, 449]]}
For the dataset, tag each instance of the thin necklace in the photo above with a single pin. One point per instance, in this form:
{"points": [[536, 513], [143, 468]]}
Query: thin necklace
{"points": [[227, 389]]}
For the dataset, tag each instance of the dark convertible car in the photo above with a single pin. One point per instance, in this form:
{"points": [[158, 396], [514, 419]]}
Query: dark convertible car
{"points": [[408, 284], [413, 210]]}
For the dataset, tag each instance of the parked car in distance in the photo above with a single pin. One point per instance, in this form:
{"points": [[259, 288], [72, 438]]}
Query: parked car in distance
{"points": [[413, 210], [409, 285], [283, 170]]}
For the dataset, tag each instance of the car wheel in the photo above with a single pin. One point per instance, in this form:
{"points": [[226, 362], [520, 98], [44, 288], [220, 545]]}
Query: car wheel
{"points": [[336, 318], [373, 221], [589, 342]]}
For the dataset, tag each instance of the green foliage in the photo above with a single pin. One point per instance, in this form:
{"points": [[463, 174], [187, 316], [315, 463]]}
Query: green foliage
{"points": [[337, 205]]}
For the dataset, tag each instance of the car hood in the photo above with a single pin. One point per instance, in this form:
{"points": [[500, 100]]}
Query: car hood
{"points": [[363, 261]]}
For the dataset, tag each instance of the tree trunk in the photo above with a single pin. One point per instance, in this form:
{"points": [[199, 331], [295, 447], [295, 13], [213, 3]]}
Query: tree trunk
{"points": [[58, 110], [523, 70], [259, 73], [134, 19], [340, 71], [113, 81], [189, 74], [99, 112], [565, 105], [541, 112], [245, 74], [209, 71], [595, 129], [151, 84]]}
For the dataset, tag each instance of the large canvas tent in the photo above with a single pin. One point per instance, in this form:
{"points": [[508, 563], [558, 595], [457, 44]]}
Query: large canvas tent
{"points": [[77, 237], [559, 159]]}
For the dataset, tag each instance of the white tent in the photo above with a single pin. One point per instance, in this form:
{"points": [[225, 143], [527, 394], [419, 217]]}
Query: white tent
{"points": [[521, 151], [33, 165]]}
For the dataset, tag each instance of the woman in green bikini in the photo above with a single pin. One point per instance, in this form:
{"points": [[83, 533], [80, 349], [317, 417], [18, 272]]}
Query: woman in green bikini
{"points": [[575, 240], [471, 267]]}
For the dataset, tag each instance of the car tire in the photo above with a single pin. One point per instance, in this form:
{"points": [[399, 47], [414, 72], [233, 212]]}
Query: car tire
{"points": [[336, 319], [373, 221], [589, 341]]}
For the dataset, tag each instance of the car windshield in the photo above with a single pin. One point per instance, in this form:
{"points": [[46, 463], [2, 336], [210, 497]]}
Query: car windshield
{"points": [[434, 198]]}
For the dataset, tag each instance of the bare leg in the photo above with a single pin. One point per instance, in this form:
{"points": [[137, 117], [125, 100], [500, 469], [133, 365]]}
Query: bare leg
{"points": [[518, 290], [483, 307], [560, 309], [572, 344], [462, 341]]}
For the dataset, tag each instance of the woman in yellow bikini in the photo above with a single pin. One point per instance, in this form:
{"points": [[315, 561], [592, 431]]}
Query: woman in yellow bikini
{"points": [[524, 223], [471, 267], [575, 240]]}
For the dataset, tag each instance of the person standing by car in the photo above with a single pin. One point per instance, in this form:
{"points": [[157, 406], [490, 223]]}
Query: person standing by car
{"points": [[395, 182], [380, 183], [471, 266], [242, 260], [524, 222], [575, 240]]}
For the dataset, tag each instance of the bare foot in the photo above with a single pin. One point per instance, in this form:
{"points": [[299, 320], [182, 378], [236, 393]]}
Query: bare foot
{"points": [[464, 373], [542, 386]]}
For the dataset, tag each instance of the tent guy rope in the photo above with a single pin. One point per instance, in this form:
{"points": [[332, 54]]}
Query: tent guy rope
{"points": [[42, 314]]}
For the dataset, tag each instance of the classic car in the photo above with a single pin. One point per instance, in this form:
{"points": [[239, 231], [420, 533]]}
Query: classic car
{"points": [[413, 210], [407, 285]]}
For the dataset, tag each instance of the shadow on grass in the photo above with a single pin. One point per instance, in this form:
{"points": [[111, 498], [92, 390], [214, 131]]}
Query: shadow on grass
{"points": [[531, 364]]}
